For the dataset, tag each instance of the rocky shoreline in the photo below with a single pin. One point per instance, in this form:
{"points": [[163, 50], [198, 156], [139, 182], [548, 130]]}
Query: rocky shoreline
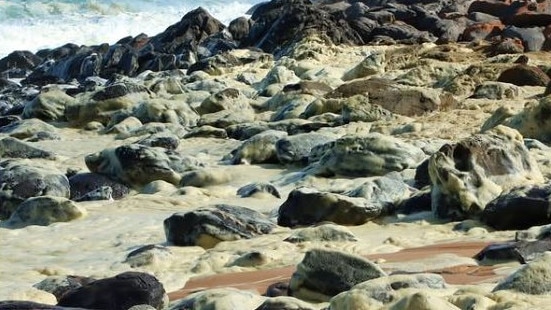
{"points": [[323, 142]]}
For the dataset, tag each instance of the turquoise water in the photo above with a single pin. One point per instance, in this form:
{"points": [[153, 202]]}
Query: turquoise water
{"points": [[35, 24]]}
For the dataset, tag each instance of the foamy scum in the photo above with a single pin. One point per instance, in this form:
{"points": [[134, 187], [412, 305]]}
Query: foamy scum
{"points": [[34, 25]]}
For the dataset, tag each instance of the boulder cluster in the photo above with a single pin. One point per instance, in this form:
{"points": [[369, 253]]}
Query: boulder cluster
{"points": [[355, 144]]}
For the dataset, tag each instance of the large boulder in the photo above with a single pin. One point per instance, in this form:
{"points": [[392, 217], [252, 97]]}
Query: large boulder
{"points": [[307, 206], [208, 226], [137, 165], [367, 155], [520, 208], [19, 181], [524, 75], [323, 274], [119, 292], [467, 175], [43, 211]]}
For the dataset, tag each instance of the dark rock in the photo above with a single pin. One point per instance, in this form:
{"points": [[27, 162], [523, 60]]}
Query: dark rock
{"points": [[15, 148], [520, 208], [120, 292], [305, 206], [323, 274], [83, 183], [60, 285], [206, 227], [255, 188], [524, 75], [19, 182]]}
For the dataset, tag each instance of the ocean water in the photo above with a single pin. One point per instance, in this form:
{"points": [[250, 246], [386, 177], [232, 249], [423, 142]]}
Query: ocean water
{"points": [[36, 24]]}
